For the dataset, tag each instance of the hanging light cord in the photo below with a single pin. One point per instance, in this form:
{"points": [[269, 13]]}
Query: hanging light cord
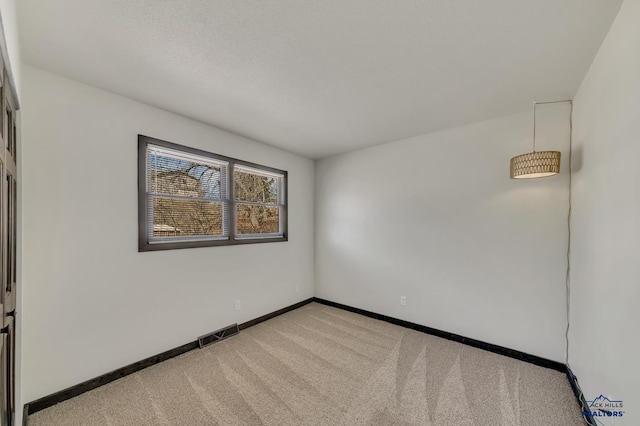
{"points": [[590, 421], [568, 276], [567, 280]]}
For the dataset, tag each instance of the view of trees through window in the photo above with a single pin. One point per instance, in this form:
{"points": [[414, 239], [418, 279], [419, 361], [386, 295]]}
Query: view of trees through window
{"points": [[257, 203], [188, 197]]}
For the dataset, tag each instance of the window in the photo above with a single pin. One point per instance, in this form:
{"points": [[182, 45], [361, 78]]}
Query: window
{"points": [[192, 198]]}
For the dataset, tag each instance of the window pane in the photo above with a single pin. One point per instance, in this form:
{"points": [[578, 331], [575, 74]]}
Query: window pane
{"points": [[181, 217], [254, 219], [256, 188], [185, 176]]}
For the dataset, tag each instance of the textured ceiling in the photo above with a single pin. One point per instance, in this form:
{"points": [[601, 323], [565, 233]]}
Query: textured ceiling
{"points": [[322, 77]]}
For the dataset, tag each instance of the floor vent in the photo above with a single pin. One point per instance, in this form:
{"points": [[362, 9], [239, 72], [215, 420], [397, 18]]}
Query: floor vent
{"points": [[218, 335]]}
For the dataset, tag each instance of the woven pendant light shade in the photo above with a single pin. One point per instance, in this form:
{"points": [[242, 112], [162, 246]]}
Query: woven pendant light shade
{"points": [[535, 165]]}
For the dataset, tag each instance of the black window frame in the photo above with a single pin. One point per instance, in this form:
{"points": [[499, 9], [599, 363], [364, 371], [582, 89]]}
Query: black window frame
{"points": [[145, 245]]}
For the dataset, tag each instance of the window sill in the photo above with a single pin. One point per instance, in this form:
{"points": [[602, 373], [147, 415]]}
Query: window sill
{"points": [[146, 246]]}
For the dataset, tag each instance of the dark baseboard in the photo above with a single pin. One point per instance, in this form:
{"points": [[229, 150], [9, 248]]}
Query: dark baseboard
{"points": [[501, 350], [274, 314], [73, 391], [63, 395], [584, 406], [522, 356], [70, 392]]}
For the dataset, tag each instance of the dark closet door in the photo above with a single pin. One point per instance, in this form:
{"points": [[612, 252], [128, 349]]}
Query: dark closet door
{"points": [[8, 196], [5, 414]]}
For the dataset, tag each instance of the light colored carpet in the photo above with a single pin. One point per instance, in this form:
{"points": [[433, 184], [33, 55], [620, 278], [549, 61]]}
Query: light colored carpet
{"points": [[319, 365]]}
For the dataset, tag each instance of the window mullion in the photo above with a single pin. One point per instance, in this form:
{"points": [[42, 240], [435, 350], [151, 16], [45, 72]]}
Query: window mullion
{"points": [[282, 196], [232, 201]]}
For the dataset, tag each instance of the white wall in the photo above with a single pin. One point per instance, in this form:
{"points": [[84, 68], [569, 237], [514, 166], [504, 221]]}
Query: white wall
{"points": [[92, 303], [605, 292], [437, 219]]}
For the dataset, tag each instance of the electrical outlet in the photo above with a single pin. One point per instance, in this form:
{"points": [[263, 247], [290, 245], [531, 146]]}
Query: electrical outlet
{"points": [[403, 300], [298, 288], [238, 305]]}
